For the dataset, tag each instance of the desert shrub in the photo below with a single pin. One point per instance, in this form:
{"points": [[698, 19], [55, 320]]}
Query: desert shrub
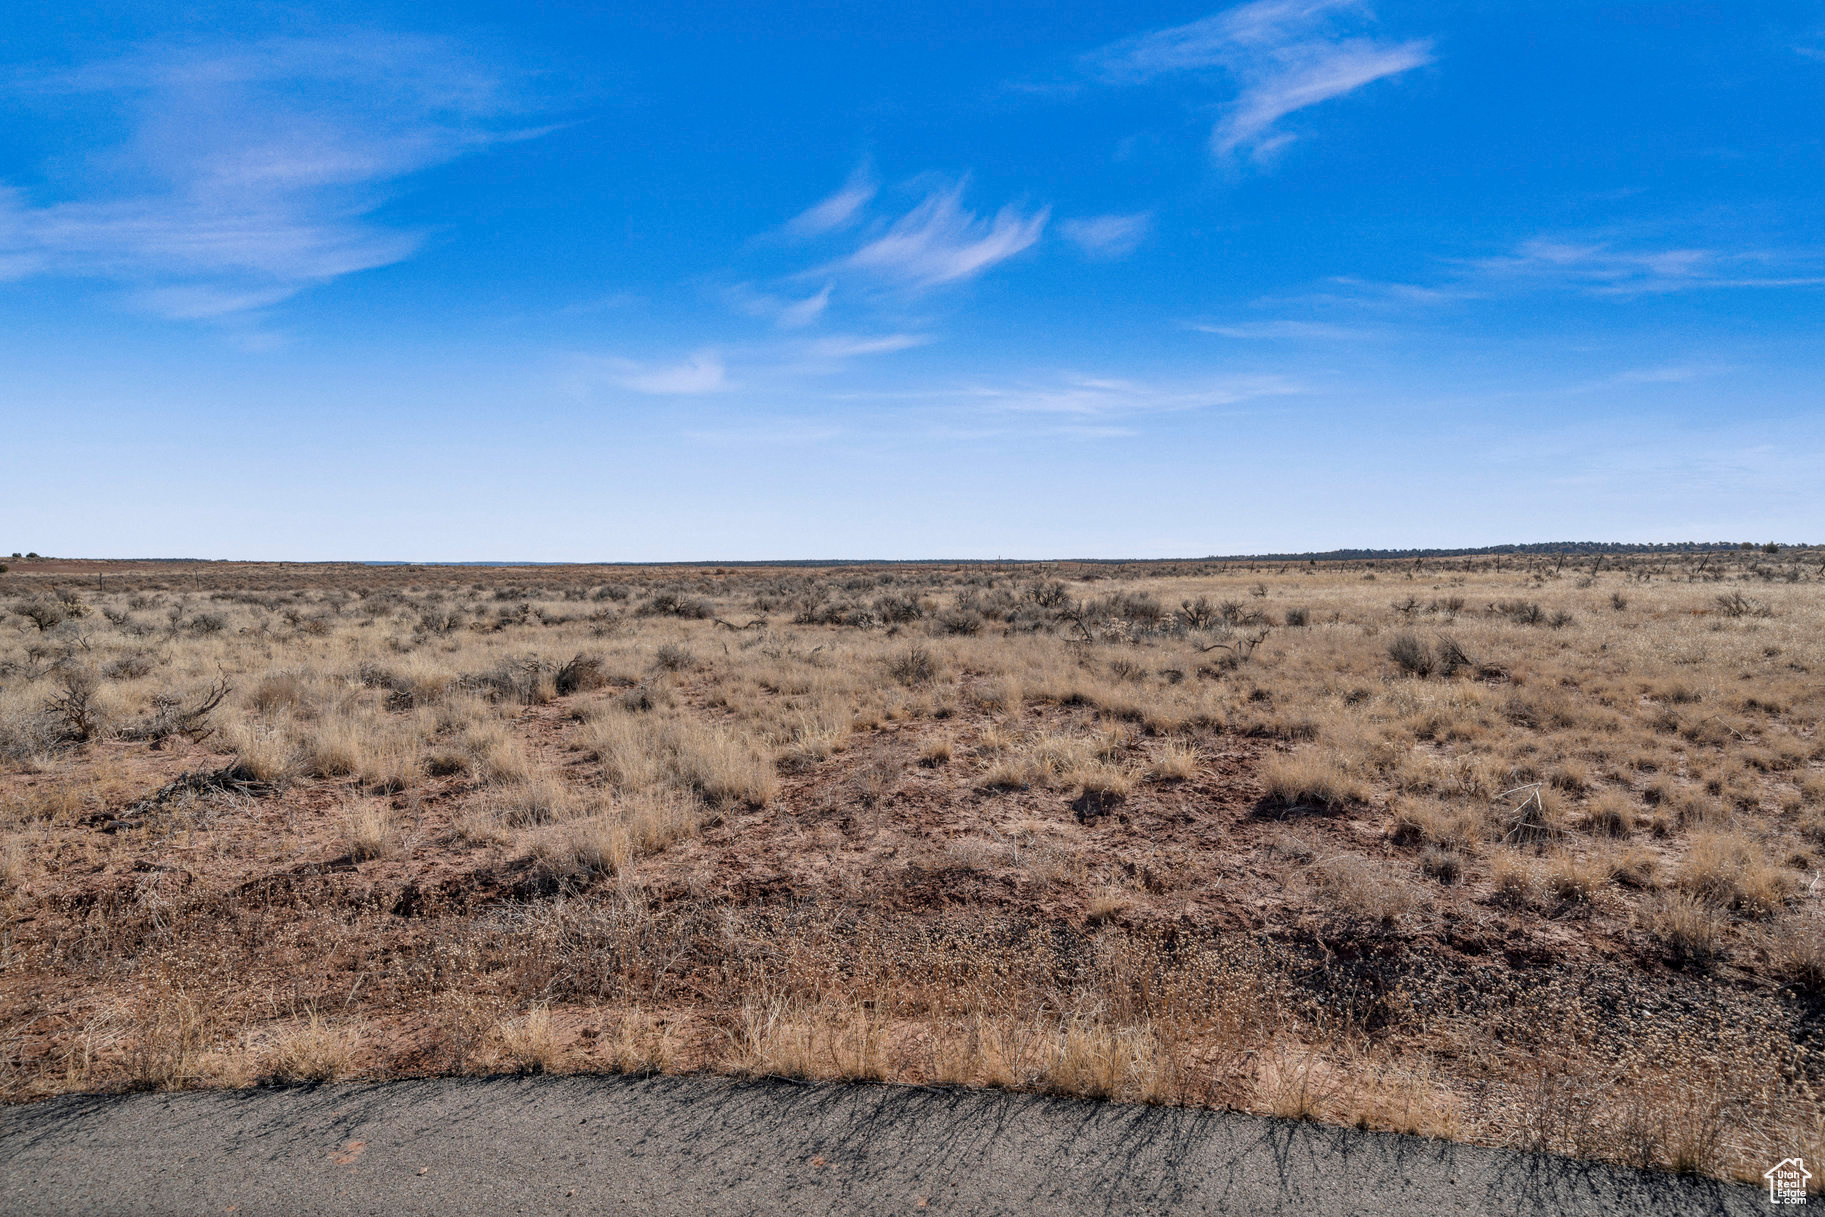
{"points": [[529, 681], [914, 666], [898, 609], [1298, 618], [579, 674], [673, 658], [74, 704], [1141, 607], [1451, 657], [1411, 655], [959, 622], [1199, 614], [1735, 604], [1522, 612], [207, 624], [1441, 864], [42, 612], [130, 666], [440, 622], [673, 604]]}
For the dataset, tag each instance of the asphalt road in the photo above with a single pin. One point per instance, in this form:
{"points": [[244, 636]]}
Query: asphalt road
{"points": [[706, 1147]]}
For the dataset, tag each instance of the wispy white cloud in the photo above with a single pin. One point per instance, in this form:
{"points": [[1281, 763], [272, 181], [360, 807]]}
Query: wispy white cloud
{"points": [[781, 434], [1658, 374], [1295, 331], [787, 312], [1349, 289], [800, 313], [840, 210], [780, 365], [1073, 394], [855, 346], [939, 241], [1282, 55], [1110, 236], [1601, 268], [700, 372], [251, 171]]}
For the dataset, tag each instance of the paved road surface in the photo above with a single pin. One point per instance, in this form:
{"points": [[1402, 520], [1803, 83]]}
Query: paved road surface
{"points": [[702, 1147]]}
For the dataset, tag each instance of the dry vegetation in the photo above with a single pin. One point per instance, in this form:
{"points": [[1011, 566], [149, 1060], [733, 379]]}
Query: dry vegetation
{"points": [[1521, 851]]}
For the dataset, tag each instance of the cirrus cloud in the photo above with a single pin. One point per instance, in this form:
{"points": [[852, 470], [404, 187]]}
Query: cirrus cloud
{"points": [[1282, 55], [940, 241], [251, 171]]}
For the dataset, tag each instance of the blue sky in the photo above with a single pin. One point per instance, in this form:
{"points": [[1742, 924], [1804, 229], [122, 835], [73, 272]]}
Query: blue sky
{"points": [[577, 282]]}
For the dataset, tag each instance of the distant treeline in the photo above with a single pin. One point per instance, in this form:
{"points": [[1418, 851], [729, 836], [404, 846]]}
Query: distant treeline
{"points": [[1545, 548], [1540, 547]]}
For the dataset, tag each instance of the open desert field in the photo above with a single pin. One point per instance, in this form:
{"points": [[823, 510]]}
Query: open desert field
{"points": [[1520, 851]]}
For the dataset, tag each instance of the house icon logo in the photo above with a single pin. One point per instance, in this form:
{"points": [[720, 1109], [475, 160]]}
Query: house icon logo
{"points": [[1787, 1181]]}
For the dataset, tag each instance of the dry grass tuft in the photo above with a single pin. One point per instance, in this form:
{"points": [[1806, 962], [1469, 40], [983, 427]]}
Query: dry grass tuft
{"points": [[367, 828], [1364, 889], [935, 752], [1731, 870], [314, 1051], [1093, 1059], [1310, 779], [1174, 762], [1611, 815], [1690, 930], [262, 753], [529, 1043], [1796, 948], [168, 1045], [1296, 1082], [778, 1037]]}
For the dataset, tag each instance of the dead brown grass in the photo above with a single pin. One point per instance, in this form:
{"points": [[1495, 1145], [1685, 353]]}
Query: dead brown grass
{"points": [[1086, 830]]}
